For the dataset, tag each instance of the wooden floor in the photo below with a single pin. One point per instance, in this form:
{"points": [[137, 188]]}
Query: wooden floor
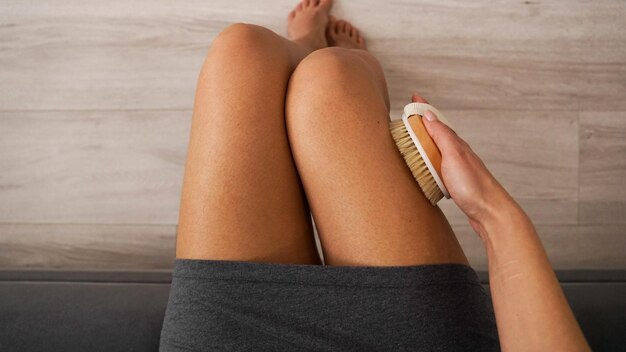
{"points": [[95, 102]]}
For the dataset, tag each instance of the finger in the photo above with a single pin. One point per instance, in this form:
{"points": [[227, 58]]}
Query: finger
{"points": [[443, 136], [416, 98]]}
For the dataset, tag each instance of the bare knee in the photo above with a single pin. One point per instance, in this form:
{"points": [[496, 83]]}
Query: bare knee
{"points": [[242, 34], [244, 55], [242, 41], [330, 63], [333, 68], [328, 92]]}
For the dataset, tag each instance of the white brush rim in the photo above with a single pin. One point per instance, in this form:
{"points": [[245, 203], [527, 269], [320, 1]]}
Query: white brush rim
{"points": [[419, 109]]}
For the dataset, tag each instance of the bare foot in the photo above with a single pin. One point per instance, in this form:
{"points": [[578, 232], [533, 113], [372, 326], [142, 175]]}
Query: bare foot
{"points": [[344, 34], [306, 24]]}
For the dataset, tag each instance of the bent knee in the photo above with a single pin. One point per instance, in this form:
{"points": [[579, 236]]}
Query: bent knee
{"points": [[242, 40], [331, 68], [333, 61], [241, 34]]}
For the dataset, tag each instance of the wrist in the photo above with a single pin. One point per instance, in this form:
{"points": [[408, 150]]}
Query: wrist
{"points": [[495, 200], [499, 216]]}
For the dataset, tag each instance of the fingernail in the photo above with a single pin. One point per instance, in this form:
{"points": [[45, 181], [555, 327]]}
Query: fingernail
{"points": [[430, 116]]}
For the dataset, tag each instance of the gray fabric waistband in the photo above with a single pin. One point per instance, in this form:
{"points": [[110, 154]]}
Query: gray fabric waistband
{"points": [[363, 276]]}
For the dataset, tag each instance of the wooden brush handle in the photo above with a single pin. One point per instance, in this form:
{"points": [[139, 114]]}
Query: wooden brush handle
{"points": [[433, 153]]}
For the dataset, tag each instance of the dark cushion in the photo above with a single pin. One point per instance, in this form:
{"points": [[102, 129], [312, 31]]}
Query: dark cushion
{"points": [[123, 311]]}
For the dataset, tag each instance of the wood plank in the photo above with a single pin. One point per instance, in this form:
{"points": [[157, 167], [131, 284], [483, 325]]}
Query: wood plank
{"points": [[87, 246], [568, 246], [69, 54], [533, 154], [116, 167], [479, 61], [603, 167], [126, 166], [152, 247]]}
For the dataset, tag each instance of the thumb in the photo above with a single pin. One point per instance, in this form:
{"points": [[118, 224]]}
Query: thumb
{"points": [[443, 136]]}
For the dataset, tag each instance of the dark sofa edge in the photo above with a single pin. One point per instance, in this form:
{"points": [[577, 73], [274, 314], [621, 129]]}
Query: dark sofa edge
{"points": [[151, 276]]}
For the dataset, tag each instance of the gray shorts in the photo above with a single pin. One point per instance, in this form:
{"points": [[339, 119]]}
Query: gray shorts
{"points": [[244, 306]]}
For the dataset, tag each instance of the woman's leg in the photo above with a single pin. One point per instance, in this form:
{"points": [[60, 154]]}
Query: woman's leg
{"points": [[242, 198], [366, 205]]}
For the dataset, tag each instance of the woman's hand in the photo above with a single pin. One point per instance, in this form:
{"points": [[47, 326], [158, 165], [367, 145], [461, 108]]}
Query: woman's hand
{"points": [[472, 187], [531, 310]]}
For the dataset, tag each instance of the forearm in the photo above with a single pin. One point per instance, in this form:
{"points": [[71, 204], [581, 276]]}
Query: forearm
{"points": [[531, 310], [532, 313]]}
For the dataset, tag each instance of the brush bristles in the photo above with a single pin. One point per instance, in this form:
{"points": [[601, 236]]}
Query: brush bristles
{"points": [[415, 162]]}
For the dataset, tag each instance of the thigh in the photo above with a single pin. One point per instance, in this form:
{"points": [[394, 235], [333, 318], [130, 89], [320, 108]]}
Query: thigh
{"points": [[366, 205], [242, 198]]}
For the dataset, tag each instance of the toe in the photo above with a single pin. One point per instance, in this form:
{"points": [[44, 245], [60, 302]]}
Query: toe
{"points": [[306, 3], [299, 7], [327, 4], [292, 14], [354, 33], [361, 42], [348, 28], [331, 26], [335, 28], [341, 26]]}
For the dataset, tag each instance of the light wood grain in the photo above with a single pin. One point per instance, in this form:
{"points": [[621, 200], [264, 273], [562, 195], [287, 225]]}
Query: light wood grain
{"points": [[115, 167], [95, 102], [126, 166], [603, 167], [87, 246], [71, 54], [533, 154], [152, 247]]}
